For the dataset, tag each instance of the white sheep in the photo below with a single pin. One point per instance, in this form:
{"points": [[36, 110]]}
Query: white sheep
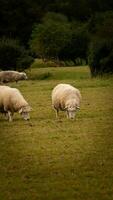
{"points": [[11, 100], [11, 76], [66, 98]]}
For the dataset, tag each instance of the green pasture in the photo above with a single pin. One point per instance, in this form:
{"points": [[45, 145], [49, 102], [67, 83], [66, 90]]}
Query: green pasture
{"points": [[59, 159]]}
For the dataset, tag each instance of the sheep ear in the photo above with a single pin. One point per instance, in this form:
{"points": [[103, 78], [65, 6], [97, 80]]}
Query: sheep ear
{"points": [[20, 111], [65, 108], [78, 107], [29, 108]]}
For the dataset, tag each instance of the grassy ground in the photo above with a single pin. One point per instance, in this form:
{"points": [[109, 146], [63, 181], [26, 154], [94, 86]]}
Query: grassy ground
{"points": [[49, 159]]}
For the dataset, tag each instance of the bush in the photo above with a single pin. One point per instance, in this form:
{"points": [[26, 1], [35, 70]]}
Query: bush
{"points": [[51, 36], [25, 60], [77, 46], [101, 48], [101, 57], [13, 56]]}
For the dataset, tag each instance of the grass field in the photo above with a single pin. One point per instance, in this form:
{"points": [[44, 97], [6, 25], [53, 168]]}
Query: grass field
{"points": [[50, 159]]}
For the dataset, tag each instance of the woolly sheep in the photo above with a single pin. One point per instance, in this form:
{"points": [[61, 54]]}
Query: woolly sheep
{"points": [[66, 98], [11, 100], [11, 76]]}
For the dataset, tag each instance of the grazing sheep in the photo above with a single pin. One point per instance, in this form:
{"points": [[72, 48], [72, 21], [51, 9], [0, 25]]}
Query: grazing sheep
{"points": [[66, 98], [11, 100], [11, 76]]}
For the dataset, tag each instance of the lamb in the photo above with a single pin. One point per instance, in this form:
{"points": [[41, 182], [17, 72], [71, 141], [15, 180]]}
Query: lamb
{"points": [[11, 101], [66, 98], [11, 76]]}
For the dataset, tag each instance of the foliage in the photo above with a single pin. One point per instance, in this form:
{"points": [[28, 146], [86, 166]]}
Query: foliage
{"points": [[80, 10], [25, 60], [18, 17], [13, 55], [51, 25], [56, 17], [101, 57], [56, 38], [51, 36], [101, 48], [101, 25], [39, 63], [77, 46]]}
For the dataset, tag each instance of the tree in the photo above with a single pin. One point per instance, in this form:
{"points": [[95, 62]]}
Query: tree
{"points": [[78, 43], [51, 36], [18, 17], [101, 48], [13, 56]]}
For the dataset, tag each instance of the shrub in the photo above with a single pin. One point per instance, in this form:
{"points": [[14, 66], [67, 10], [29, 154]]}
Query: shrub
{"points": [[77, 46], [101, 57], [101, 48], [24, 61], [50, 37], [13, 56]]}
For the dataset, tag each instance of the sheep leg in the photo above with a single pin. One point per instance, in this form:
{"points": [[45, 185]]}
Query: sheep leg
{"points": [[6, 116], [67, 113], [57, 113], [10, 116]]}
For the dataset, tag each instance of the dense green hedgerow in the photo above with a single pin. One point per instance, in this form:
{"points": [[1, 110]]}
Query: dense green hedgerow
{"points": [[101, 57], [13, 55]]}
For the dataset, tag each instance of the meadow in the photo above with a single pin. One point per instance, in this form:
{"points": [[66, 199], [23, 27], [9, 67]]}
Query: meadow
{"points": [[59, 159]]}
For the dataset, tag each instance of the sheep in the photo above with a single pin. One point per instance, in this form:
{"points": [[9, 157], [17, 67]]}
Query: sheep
{"points": [[66, 98], [11, 101], [11, 76]]}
